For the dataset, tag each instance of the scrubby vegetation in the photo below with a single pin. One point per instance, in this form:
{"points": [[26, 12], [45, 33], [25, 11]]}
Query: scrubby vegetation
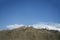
{"points": [[29, 33]]}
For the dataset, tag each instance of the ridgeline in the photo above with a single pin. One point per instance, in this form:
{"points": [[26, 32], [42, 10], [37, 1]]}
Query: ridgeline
{"points": [[29, 33]]}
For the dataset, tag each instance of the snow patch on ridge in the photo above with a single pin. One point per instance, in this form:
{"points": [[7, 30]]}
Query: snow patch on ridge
{"points": [[47, 26], [14, 26], [50, 26]]}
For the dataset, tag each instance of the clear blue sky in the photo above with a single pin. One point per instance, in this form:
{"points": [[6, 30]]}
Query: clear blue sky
{"points": [[28, 12]]}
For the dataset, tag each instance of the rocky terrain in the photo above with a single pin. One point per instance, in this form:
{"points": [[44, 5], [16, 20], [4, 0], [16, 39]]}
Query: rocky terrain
{"points": [[29, 33]]}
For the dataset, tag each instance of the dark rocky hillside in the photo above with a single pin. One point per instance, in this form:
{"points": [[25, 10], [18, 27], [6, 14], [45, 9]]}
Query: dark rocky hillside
{"points": [[29, 33]]}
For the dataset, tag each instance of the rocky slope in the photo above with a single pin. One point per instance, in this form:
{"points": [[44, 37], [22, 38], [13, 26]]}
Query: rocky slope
{"points": [[29, 33]]}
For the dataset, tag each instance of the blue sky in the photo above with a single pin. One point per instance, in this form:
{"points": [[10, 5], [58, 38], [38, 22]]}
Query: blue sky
{"points": [[28, 12]]}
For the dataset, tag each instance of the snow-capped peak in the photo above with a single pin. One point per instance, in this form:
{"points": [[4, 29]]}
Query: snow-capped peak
{"points": [[50, 26], [47, 26]]}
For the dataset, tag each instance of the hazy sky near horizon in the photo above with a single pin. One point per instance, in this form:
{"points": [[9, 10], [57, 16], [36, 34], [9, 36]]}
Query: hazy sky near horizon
{"points": [[28, 12]]}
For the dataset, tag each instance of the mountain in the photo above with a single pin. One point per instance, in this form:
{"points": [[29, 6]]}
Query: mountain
{"points": [[49, 26], [29, 33]]}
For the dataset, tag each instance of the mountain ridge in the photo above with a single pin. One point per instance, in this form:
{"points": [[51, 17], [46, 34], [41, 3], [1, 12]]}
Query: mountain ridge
{"points": [[29, 33]]}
